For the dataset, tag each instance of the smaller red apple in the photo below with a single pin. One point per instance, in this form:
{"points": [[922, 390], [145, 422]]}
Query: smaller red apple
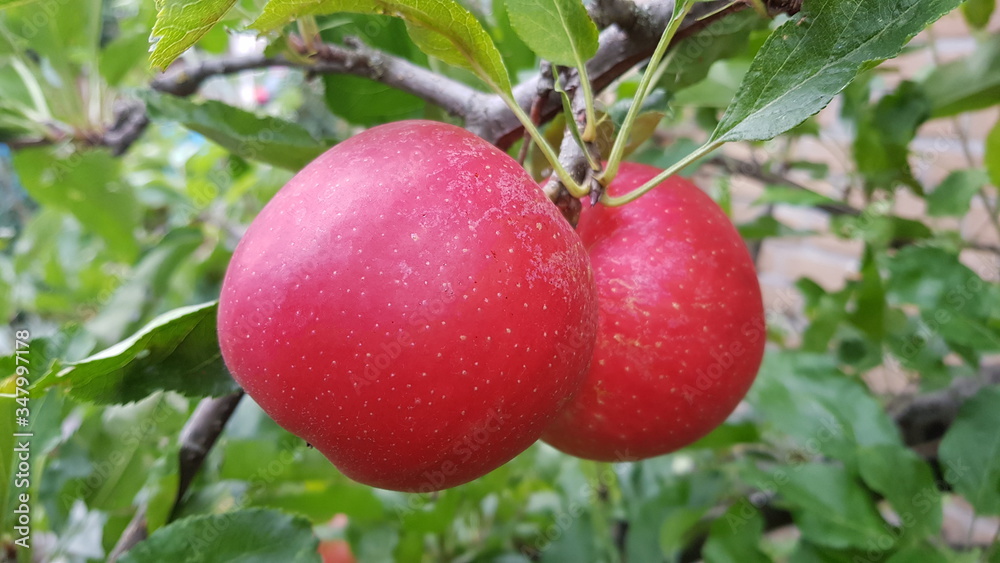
{"points": [[681, 331], [336, 551]]}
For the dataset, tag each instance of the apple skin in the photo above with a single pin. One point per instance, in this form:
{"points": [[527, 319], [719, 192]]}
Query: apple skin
{"points": [[681, 333], [412, 306]]}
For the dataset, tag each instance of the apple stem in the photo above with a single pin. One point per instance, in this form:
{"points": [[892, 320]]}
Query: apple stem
{"points": [[615, 201], [574, 189], [645, 84]]}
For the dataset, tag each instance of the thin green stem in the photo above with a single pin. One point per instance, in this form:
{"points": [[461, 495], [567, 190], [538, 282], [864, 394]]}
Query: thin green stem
{"points": [[590, 130], [574, 129], [615, 201], [309, 30], [574, 189], [645, 83]]}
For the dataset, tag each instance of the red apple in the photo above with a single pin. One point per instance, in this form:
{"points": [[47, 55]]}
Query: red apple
{"points": [[681, 332], [411, 305], [336, 551]]}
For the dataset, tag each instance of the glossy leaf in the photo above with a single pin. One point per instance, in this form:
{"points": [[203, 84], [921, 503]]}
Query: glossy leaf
{"points": [[248, 536], [441, 28], [177, 351], [180, 24], [559, 31], [969, 451], [266, 139], [812, 57]]}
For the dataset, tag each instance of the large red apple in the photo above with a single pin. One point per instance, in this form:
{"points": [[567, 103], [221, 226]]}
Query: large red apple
{"points": [[411, 305], [681, 331]]}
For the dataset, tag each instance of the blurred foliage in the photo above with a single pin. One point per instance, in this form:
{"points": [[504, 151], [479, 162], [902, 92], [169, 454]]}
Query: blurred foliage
{"points": [[122, 256]]}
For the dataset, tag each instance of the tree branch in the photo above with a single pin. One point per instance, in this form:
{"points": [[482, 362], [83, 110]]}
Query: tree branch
{"points": [[621, 48], [356, 59], [196, 439]]}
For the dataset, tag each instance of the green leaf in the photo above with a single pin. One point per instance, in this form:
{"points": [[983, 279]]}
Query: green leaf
{"points": [[812, 57], [727, 435], [992, 156], [829, 506], [870, 306], [177, 351], [806, 398], [441, 28], [88, 185], [122, 55], [907, 482], [180, 24], [966, 84], [559, 31], [360, 100], [766, 226], [934, 279], [692, 58], [735, 537], [954, 193], [919, 554], [977, 12], [970, 451], [247, 536], [884, 133], [266, 139], [793, 196]]}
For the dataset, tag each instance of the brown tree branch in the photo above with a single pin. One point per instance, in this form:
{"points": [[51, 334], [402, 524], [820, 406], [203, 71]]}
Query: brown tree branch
{"points": [[621, 48], [196, 439]]}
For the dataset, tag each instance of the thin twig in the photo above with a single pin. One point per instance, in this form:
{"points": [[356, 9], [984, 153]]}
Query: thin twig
{"points": [[196, 439]]}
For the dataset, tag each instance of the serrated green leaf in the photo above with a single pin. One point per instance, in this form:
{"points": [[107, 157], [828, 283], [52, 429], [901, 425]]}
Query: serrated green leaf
{"points": [[966, 84], [266, 139], [992, 156], [829, 506], [176, 351], [559, 31], [970, 451], [441, 28], [180, 24], [247, 536], [954, 193], [907, 482], [813, 56]]}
